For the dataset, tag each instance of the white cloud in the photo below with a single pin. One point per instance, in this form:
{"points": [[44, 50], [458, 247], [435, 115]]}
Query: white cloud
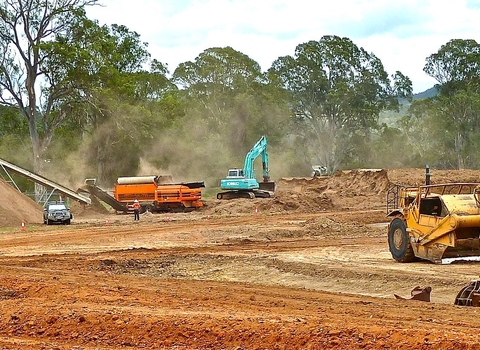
{"points": [[401, 33]]}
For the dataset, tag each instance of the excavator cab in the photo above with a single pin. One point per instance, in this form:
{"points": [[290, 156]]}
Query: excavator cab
{"points": [[235, 173]]}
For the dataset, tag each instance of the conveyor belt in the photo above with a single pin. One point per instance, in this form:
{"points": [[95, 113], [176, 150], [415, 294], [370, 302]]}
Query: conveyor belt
{"points": [[44, 181], [104, 196]]}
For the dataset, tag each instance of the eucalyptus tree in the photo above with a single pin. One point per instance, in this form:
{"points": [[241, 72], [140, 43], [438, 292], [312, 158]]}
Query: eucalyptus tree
{"points": [[337, 91], [448, 129], [454, 114], [26, 82], [118, 93], [218, 73], [71, 77], [229, 92], [455, 64]]}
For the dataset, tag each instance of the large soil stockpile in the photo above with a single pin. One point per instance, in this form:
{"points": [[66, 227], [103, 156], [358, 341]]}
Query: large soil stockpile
{"points": [[415, 177], [15, 207], [357, 189], [302, 194], [345, 190]]}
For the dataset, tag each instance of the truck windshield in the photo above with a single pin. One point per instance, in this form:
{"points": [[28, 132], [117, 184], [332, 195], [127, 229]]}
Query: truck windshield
{"points": [[56, 207]]}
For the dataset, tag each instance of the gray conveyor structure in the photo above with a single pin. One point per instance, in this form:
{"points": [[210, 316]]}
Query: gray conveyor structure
{"points": [[6, 166], [104, 196]]}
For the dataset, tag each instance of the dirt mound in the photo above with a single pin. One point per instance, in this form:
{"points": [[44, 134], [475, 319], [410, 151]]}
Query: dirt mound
{"points": [[344, 190], [96, 209], [15, 207], [416, 176], [356, 189], [360, 182], [303, 194]]}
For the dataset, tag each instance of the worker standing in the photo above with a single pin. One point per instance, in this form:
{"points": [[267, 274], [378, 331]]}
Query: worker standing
{"points": [[136, 210]]}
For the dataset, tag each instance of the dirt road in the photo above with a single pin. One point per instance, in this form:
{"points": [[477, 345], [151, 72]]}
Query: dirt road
{"points": [[247, 281], [308, 269]]}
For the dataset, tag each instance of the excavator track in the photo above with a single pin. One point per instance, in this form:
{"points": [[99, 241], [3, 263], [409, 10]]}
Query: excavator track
{"points": [[245, 194], [235, 195]]}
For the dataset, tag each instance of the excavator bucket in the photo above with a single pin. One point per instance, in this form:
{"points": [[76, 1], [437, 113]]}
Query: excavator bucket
{"points": [[418, 293], [268, 186], [469, 295]]}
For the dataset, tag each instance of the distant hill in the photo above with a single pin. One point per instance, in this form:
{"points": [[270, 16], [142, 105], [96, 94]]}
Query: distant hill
{"points": [[391, 117], [426, 94], [420, 96]]}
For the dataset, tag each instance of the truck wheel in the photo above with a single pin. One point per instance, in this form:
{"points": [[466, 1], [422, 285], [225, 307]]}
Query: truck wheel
{"points": [[399, 242]]}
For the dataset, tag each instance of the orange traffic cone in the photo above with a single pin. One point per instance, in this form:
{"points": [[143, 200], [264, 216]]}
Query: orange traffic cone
{"points": [[106, 222], [167, 218], [23, 225], [256, 210]]}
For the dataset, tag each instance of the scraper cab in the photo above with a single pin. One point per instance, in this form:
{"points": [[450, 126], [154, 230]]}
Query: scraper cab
{"points": [[440, 222]]}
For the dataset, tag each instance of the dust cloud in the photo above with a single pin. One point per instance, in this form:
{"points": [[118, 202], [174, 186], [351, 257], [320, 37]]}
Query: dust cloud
{"points": [[146, 168], [198, 159], [70, 171]]}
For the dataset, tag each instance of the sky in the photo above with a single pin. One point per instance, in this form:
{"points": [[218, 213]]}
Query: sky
{"points": [[401, 33]]}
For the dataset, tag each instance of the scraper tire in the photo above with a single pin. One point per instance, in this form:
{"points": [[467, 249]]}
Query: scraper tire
{"points": [[399, 242]]}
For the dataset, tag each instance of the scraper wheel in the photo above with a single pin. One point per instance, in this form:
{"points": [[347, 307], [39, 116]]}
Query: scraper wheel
{"points": [[399, 241]]}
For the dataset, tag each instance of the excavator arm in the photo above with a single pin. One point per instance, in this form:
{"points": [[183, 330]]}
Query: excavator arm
{"points": [[259, 148]]}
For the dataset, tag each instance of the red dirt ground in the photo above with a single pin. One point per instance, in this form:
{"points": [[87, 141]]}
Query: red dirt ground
{"points": [[307, 269]]}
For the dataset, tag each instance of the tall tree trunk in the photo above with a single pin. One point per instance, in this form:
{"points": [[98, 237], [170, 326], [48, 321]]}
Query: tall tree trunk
{"points": [[458, 150], [37, 151]]}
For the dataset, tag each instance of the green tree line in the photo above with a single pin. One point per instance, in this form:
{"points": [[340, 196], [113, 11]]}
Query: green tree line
{"points": [[80, 100]]}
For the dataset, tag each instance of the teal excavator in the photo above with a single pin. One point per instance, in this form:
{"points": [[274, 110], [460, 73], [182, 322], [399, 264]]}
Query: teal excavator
{"points": [[241, 183]]}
